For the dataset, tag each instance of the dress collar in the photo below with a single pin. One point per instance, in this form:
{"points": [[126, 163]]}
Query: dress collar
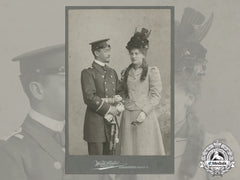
{"points": [[135, 72], [48, 122]]}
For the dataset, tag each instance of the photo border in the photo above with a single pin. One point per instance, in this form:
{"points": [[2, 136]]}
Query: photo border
{"points": [[84, 164]]}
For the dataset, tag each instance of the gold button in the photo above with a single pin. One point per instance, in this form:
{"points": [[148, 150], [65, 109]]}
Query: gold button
{"points": [[111, 76], [57, 165], [102, 76], [105, 82], [97, 102], [106, 89]]}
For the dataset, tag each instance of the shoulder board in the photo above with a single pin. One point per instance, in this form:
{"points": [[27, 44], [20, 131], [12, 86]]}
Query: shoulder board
{"points": [[87, 70], [20, 136], [15, 133], [90, 69]]}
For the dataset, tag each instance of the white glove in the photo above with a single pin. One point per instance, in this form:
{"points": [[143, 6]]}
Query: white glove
{"points": [[141, 117], [117, 98], [120, 107]]}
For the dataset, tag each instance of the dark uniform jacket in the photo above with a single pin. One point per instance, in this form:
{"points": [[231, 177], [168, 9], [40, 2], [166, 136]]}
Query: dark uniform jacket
{"points": [[34, 154], [97, 82]]}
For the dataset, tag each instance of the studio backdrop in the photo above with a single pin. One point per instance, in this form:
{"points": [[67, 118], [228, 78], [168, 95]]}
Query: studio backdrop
{"points": [[88, 24]]}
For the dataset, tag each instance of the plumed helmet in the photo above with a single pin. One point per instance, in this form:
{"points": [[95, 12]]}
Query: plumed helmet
{"points": [[189, 52]]}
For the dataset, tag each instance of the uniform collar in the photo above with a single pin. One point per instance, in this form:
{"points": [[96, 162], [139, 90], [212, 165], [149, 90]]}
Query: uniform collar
{"points": [[99, 68], [48, 122], [99, 63]]}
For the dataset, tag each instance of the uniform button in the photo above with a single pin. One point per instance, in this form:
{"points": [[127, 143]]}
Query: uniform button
{"points": [[102, 76], [111, 76], [117, 140], [97, 102], [105, 82], [106, 96], [57, 165], [114, 89], [113, 82], [106, 89]]}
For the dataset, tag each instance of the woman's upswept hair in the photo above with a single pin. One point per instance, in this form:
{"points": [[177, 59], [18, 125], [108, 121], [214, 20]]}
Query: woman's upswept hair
{"points": [[139, 41]]}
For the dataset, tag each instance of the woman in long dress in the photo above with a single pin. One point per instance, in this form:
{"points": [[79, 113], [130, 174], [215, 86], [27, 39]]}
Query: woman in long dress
{"points": [[140, 131]]}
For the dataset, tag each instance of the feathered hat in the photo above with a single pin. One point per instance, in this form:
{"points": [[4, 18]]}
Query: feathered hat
{"points": [[189, 52], [139, 40]]}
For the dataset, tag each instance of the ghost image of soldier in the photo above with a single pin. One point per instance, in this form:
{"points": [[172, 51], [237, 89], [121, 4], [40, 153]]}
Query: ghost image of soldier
{"points": [[37, 149]]}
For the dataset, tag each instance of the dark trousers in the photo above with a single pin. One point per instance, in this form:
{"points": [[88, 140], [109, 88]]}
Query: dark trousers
{"points": [[98, 148]]}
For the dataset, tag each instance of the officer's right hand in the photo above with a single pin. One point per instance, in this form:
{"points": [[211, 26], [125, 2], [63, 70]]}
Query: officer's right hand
{"points": [[113, 110], [117, 98]]}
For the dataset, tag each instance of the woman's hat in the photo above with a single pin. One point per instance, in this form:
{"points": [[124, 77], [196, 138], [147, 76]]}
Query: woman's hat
{"points": [[139, 40]]}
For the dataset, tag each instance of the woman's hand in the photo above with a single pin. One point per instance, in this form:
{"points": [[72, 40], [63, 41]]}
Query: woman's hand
{"points": [[141, 117]]}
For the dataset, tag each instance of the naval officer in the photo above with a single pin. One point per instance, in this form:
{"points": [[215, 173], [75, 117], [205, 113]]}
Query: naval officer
{"points": [[36, 150], [99, 86]]}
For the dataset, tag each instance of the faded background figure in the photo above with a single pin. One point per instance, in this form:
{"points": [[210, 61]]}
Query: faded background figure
{"points": [[190, 136]]}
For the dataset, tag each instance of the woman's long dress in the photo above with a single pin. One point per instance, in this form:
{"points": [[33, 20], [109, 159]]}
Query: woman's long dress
{"points": [[145, 138]]}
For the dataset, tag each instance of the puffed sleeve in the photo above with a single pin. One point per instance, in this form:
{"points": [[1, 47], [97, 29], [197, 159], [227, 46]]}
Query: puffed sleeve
{"points": [[155, 88], [89, 94], [11, 166]]}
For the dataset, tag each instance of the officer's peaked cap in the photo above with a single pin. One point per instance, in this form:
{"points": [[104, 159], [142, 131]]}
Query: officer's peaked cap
{"points": [[48, 60], [100, 44]]}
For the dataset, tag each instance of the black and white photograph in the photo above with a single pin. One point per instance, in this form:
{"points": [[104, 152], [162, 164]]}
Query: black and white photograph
{"points": [[119, 64], [35, 72]]}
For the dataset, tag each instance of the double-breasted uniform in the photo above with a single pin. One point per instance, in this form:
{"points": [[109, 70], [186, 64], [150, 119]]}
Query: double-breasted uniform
{"points": [[34, 153], [97, 82]]}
